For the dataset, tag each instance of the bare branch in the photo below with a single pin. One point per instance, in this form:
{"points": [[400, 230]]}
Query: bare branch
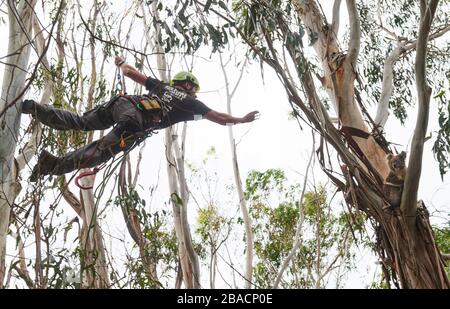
{"points": [[336, 14], [355, 32], [70, 198], [237, 179], [30, 148], [409, 196], [22, 270], [298, 240], [388, 75], [411, 45], [387, 86]]}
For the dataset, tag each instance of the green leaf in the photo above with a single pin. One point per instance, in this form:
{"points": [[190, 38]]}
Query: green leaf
{"points": [[439, 95], [223, 5]]}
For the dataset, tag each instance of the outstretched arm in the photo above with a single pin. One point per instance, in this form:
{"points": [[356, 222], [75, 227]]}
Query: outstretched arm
{"points": [[225, 119], [130, 71]]}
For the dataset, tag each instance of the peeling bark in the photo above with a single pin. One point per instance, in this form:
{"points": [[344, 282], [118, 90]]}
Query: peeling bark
{"points": [[339, 75]]}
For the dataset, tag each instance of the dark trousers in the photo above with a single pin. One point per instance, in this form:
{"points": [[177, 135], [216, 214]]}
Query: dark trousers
{"points": [[128, 121]]}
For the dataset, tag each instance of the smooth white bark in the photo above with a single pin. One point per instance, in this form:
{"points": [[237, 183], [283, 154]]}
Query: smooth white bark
{"points": [[412, 179], [20, 17], [336, 15], [177, 186], [387, 86], [238, 183]]}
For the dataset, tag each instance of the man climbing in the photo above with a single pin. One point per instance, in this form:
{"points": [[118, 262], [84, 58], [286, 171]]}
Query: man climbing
{"points": [[131, 117]]}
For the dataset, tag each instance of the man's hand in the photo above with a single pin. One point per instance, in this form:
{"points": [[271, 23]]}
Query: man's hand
{"points": [[250, 116], [130, 72], [119, 61]]}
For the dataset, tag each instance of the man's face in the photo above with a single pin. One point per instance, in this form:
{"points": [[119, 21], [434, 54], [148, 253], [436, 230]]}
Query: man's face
{"points": [[190, 89]]}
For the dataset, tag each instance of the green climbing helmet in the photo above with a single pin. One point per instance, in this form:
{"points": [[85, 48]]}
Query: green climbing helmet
{"points": [[184, 76]]}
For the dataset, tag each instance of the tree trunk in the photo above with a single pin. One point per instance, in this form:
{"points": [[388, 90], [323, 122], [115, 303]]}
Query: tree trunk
{"points": [[94, 264], [238, 183], [178, 191], [12, 88], [134, 227]]}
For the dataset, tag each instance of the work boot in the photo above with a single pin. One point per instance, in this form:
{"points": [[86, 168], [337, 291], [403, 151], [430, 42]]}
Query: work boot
{"points": [[28, 106], [45, 164]]}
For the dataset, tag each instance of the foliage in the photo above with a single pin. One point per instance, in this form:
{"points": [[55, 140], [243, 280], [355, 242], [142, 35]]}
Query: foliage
{"points": [[442, 237], [213, 223], [180, 31], [161, 244], [274, 208], [209, 224], [441, 147]]}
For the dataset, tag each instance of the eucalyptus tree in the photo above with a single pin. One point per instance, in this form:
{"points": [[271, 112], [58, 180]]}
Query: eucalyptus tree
{"points": [[20, 15], [345, 73], [409, 255]]}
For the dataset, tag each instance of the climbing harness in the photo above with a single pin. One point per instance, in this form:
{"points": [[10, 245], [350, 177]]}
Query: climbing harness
{"points": [[145, 104]]}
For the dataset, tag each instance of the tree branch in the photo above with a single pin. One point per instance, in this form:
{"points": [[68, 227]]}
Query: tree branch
{"points": [[409, 196], [30, 148], [33, 74], [387, 86], [237, 178], [355, 32], [336, 14], [388, 75]]}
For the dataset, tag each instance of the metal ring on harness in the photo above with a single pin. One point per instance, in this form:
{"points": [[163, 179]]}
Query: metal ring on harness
{"points": [[85, 174]]}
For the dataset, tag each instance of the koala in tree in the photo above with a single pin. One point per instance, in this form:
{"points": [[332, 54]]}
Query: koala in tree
{"points": [[393, 184]]}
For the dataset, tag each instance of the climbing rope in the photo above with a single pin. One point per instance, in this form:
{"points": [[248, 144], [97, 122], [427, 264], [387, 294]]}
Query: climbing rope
{"points": [[94, 171], [119, 89], [122, 143]]}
